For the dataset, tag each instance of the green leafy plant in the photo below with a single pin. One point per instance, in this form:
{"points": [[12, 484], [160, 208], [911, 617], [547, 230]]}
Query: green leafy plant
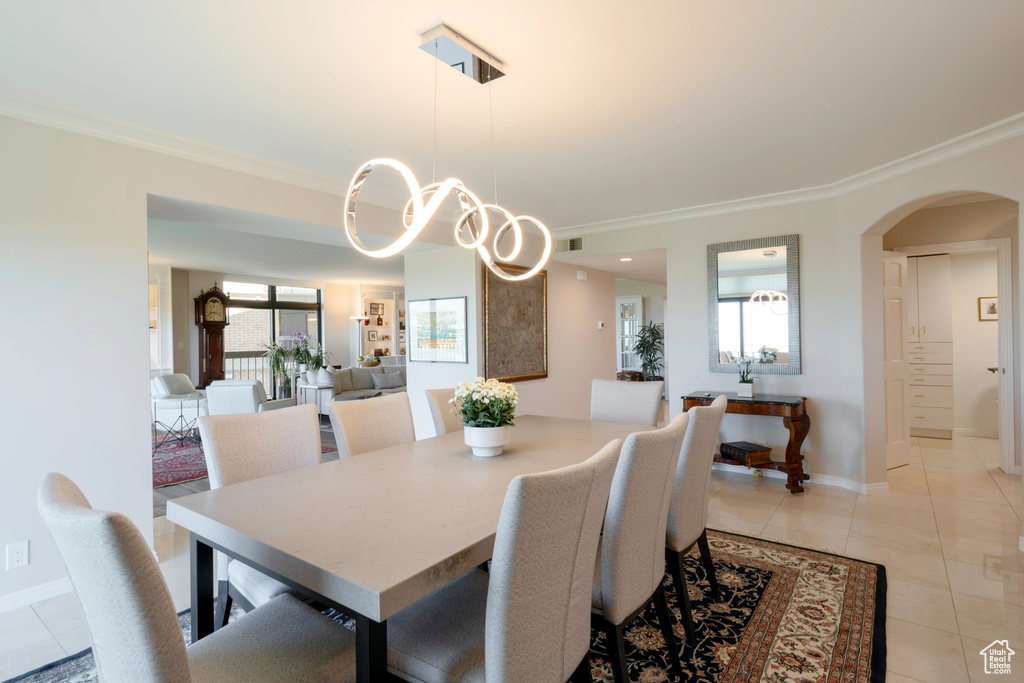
{"points": [[650, 347], [745, 374], [485, 403], [279, 360]]}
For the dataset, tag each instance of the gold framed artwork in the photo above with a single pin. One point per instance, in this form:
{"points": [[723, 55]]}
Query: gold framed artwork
{"points": [[515, 326], [988, 308]]}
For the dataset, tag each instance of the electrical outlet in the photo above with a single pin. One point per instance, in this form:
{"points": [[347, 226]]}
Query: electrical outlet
{"points": [[17, 554]]}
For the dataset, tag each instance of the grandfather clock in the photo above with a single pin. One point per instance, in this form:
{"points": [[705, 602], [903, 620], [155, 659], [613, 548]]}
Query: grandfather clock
{"points": [[211, 318]]}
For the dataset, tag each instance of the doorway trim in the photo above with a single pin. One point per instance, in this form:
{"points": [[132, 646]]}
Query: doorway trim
{"points": [[1005, 293]]}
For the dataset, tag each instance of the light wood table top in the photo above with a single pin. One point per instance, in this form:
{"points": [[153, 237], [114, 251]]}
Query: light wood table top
{"points": [[378, 531]]}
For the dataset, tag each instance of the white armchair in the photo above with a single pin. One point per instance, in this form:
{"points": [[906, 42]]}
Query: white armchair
{"points": [[173, 398], [240, 396]]}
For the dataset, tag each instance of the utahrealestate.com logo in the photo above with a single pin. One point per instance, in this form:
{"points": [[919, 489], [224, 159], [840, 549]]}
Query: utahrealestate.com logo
{"points": [[997, 657]]}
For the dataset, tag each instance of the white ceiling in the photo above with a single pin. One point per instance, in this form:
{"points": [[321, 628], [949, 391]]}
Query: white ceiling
{"points": [[647, 266], [609, 109]]}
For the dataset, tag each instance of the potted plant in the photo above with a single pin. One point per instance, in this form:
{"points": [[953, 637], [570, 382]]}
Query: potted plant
{"points": [[745, 388], [488, 409], [767, 354], [279, 361], [302, 353], [650, 347]]}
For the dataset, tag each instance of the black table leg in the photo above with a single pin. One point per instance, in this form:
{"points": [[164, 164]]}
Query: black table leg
{"points": [[202, 589], [371, 650]]}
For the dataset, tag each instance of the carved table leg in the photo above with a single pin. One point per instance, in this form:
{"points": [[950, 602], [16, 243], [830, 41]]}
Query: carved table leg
{"points": [[798, 429]]}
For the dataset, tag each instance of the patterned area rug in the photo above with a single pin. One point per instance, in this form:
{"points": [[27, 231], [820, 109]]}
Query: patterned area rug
{"points": [[176, 462], [787, 614]]}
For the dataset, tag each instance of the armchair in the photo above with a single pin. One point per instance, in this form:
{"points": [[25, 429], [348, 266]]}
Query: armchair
{"points": [[176, 404], [239, 396]]}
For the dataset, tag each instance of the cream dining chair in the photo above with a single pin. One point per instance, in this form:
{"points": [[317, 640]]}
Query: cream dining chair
{"points": [[688, 510], [250, 446], [371, 424], [135, 632], [528, 619], [630, 568], [633, 402], [441, 411]]}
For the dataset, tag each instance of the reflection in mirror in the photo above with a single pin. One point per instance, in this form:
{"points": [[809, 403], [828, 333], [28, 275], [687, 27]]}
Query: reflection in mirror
{"points": [[753, 291]]}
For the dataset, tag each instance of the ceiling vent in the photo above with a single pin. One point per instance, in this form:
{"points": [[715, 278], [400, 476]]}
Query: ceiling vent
{"points": [[571, 244]]}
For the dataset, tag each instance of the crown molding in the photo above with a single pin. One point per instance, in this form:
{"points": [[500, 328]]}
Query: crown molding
{"points": [[81, 122], [958, 146], [112, 130]]}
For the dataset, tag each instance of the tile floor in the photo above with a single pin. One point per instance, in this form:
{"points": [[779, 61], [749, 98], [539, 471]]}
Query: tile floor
{"points": [[947, 533]]}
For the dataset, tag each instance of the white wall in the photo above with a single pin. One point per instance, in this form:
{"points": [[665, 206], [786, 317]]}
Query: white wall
{"points": [[975, 346], [578, 352], [443, 274], [337, 326], [73, 226]]}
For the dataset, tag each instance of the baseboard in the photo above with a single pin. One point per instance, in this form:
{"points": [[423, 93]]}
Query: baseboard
{"points": [[30, 596], [946, 434], [976, 432], [823, 479]]}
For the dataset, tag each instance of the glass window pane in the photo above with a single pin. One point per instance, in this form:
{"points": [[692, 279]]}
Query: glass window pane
{"points": [[245, 291], [729, 327], [764, 327], [303, 295], [245, 340], [290, 322]]}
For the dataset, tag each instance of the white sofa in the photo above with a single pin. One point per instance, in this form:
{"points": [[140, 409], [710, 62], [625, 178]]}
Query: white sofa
{"points": [[346, 384], [174, 397], [241, 396]]}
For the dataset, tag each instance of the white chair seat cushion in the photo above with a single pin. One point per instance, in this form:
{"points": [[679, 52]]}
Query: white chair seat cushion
{"points": [[282, 641], [257, 587], [441, 638]]}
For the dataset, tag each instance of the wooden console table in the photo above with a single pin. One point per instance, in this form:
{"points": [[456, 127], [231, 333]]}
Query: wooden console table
{"points": [[792, 410]]}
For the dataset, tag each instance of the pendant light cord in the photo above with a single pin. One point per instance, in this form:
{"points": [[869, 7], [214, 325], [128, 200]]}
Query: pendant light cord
{"points": [[494, 163], [433, 170]]}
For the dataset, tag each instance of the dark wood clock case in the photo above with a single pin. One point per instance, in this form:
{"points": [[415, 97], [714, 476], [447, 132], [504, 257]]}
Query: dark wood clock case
{"points": [[211, 318]]}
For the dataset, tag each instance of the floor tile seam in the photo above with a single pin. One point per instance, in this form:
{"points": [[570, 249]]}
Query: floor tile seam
{"points": [[48, 637]]}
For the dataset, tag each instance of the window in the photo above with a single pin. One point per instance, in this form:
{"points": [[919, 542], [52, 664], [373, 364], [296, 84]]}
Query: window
{"points": [[744, 327], [259, 315]]}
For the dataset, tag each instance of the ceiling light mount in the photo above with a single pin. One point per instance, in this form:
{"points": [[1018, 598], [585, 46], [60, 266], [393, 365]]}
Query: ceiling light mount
{"points": [[462, 54]]}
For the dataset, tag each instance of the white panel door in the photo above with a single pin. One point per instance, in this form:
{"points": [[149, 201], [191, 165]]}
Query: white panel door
{"points": [[897, 369], [935, 294], [628, 319]]}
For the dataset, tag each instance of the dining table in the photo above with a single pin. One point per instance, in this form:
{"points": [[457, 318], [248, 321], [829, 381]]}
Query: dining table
{"points": [[373, 533]]}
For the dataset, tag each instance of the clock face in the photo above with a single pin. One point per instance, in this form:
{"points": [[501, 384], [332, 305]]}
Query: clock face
{"points": [[214, 311]]}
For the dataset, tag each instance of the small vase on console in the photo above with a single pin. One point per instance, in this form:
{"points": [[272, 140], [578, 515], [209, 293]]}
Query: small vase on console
{"points": [[488, 409], [745, 389]]}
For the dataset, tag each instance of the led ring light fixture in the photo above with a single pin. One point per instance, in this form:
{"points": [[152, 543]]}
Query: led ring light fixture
{"points": [[424, 201]]}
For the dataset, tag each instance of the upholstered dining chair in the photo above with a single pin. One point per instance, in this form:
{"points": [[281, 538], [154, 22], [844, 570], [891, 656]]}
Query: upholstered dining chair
{"points": [[441, 411], [372, 423], [630, 568], [634, 402], [688, 510], [249, 446], [135, 632], [528, 619]]}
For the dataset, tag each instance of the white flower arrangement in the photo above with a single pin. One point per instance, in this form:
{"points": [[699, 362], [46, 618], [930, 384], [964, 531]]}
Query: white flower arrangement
{"points": [[745, 362], [768, 354], [485, 403]]}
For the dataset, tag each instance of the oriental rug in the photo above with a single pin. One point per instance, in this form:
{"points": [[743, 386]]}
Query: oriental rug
{"points": [[786, 614]]}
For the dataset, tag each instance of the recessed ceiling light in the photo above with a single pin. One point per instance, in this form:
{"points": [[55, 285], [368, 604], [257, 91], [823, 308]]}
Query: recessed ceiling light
{"points": [[626, 259]]}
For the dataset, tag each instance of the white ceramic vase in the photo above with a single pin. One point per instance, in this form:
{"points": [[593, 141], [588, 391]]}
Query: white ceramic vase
{"points": [[745, 389], [487, 441]]}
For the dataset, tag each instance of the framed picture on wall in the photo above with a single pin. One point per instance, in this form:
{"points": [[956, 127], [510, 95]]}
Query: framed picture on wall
{"points": [[988, 308], [515, 326], [376, 309], [371, 335], [437, 331]]}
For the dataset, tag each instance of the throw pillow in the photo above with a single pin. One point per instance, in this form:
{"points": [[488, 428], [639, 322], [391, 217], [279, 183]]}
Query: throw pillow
{"points": [[391, 380], [324, 378], [361, 377]]}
